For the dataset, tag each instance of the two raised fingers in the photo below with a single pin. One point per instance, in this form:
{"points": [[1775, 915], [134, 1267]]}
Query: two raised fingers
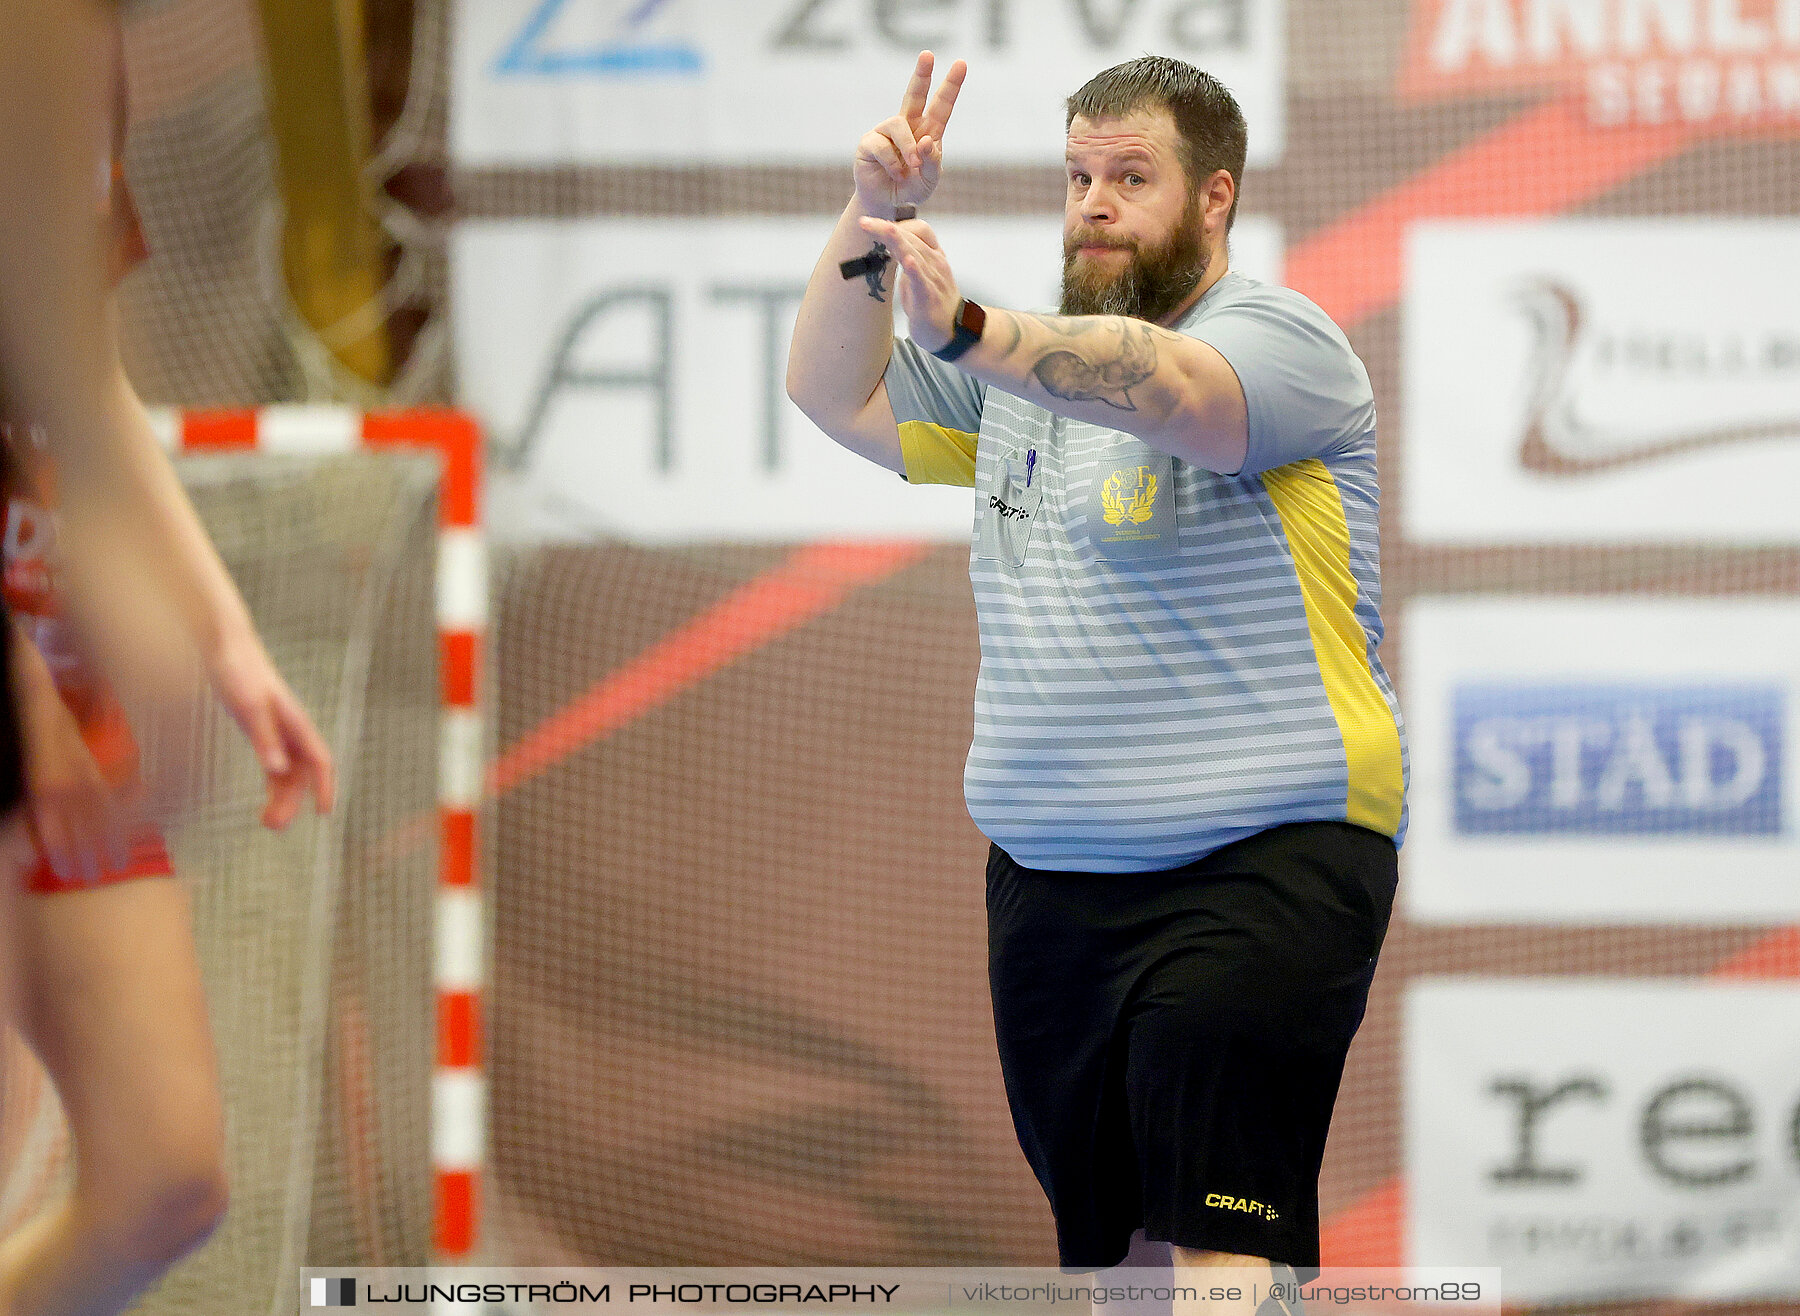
{"points": [[943, 101], [926, 112], [907, 146]]}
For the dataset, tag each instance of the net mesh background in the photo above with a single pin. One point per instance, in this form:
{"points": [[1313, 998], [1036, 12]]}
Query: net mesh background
{"points": [[738, 1009], [317, 947]]}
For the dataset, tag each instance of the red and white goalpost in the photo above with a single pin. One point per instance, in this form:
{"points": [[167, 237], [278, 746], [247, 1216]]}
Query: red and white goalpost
{"points": [[458, 1105]]}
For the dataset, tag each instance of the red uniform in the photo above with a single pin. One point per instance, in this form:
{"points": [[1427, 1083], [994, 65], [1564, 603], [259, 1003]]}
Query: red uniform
{"points": [[33, 592]]}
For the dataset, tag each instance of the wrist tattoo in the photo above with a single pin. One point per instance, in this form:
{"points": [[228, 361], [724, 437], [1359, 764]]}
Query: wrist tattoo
{"points": [[872, 267]]}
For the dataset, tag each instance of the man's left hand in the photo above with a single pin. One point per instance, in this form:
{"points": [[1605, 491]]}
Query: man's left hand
{"points": [[926, 289]]}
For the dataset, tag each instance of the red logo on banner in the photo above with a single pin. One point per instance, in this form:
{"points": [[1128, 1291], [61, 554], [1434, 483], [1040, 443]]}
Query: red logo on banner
{"points": [[1721, 65]]}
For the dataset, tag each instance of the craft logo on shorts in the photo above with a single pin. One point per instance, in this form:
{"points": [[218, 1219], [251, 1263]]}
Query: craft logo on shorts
{"points": [[1129, 495], [1686, 759], [1247, 1205], [1721, 64], [333, 1292]]}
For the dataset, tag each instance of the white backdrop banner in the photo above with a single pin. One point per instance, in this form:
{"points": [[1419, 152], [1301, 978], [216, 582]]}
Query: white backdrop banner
{"points": [[1602, 381], [1602, 760], [630, 373], [1606, 1139], [798, 81]]}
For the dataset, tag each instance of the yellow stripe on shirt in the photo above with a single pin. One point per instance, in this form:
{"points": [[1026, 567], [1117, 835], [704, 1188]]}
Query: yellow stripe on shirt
{"points": [[936, 454], [1318, 537]]}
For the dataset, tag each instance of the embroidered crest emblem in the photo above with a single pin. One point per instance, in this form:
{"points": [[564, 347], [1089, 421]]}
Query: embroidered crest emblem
{"points": [[1129, 495]]}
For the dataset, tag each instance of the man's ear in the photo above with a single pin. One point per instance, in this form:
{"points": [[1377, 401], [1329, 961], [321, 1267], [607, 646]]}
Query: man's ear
{"points": [[1221, 191]]}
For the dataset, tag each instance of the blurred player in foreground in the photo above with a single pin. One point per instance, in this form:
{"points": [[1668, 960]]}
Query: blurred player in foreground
{"points": [[110, 990], [58, 357]]}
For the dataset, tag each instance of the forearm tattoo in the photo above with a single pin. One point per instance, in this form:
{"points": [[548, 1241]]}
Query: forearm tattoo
{"points": [[1115, 355], [872, 267]]}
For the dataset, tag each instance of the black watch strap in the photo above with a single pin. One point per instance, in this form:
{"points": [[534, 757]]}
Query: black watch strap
{"points": [[971, 319]]}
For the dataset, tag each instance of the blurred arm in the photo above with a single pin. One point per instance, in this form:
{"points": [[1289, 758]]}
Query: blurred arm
{"points": [[58, 352], [168, 529]]}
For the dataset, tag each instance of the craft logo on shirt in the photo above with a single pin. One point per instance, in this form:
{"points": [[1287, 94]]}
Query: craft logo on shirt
{"points": [[1719, 64], [1614, 758], [1129, 495]]}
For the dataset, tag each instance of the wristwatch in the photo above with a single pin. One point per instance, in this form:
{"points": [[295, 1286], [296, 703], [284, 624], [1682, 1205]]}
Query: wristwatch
{"points": [[971, 319]]}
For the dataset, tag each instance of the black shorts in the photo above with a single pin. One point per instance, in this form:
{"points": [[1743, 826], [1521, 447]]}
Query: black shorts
{"points": [[1172, 1042]]}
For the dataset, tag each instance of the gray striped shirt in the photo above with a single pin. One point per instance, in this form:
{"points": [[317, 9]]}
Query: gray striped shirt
{"points": [[1172, 659]]}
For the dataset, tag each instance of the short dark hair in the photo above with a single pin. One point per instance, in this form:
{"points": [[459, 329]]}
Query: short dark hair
{"points": [[1207, 117]]}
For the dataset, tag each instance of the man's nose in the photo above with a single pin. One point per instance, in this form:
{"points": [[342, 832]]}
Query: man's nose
{"points": [[1098, 205]]}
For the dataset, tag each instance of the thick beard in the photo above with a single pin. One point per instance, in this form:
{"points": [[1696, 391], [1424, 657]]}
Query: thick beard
{"points": [[1152, 284]]}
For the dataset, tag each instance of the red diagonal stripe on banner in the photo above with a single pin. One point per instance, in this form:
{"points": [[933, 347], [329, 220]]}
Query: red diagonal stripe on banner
{"points": [[1369, 1232], [812, 581], [1541, 163], [1776, 955]]}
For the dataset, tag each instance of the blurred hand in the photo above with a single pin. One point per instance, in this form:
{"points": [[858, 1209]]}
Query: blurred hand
{"points": [[897, 161], [82, 824], [292, 753]]}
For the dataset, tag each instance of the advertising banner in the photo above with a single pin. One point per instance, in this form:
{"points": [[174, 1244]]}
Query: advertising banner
{"points": [[1717, 65], [1588, 760], [672, 82], [1606, 1139], [1602, 381], [631, 374]]}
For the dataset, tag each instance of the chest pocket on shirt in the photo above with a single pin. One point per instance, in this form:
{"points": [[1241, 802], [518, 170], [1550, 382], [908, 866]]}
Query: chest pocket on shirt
{"points": [[1131, 505], [1010, 513]]}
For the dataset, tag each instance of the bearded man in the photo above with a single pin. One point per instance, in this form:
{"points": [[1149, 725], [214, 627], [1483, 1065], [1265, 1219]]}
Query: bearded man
{"points": [[1187, 754]]}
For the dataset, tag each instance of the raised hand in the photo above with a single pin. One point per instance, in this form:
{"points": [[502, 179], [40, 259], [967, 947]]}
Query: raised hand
{"points": [[898, 160], [926, 287]]}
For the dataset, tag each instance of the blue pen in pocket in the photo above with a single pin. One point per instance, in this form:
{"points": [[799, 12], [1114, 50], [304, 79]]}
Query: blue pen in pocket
{"points": [[1030, 465]]}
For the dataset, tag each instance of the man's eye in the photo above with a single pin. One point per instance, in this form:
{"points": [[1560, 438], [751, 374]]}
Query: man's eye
{"points": [[1134, 179], [1078, 180]]}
